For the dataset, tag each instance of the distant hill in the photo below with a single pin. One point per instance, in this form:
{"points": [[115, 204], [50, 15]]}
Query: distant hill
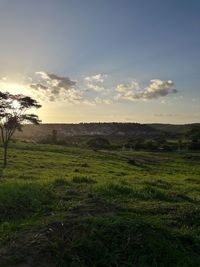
{"points": [[37, 132], [175, 129]]}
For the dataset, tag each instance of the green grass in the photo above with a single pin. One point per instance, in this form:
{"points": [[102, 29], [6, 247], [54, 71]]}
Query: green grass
{"points": [[75, 207]]}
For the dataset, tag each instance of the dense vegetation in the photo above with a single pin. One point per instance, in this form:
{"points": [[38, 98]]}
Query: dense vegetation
{"points": [[116, 136], [64, 206], [31, 132]]}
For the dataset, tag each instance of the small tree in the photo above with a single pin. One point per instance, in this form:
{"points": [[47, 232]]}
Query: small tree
{"points": [[99, 143], [13, 115], [54, 137]]}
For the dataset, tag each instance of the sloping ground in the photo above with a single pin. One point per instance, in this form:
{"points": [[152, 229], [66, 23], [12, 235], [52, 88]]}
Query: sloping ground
{"points": [[176, 129], [73, 207], [38, 132], [35, 132]]}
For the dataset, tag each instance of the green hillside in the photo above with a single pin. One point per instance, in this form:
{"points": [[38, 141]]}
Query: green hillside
{"points": [[176, 129], [75, 207]]}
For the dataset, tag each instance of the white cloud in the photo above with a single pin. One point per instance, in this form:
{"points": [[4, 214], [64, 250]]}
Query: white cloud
{"points": [[96, 78], [159, 88], [99, 100], [74, 96], [95, 82], [55, 80], [123, 88], [156, 88], [93, 90], [95, 87], [43, 75], [38, 86], [56, 88]]}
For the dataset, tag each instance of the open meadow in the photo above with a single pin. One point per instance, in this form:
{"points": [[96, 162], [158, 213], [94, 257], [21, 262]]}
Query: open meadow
{"points": [[100, 133], [64, 206]]}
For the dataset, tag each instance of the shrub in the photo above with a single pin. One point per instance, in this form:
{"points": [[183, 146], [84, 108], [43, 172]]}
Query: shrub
{"points": [[99, 143]]}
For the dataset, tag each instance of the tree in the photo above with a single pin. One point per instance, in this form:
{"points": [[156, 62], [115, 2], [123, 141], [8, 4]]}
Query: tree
{"points": [[13, 115], [99, 143], [54, 137]]}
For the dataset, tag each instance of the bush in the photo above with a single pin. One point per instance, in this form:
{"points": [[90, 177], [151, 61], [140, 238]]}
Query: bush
{"points": [[99, 143]]}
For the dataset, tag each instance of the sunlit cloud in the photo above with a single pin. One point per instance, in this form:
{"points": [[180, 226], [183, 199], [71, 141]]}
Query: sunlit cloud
{"points": [[56, 88], [91, 90], [124, 88], [99, 100], [156, 88], [38, 86], [96, 78], [95, 82], [55, 80], [95, 87]]}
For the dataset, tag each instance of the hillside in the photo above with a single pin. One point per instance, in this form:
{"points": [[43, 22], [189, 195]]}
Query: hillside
{"points": [[38, 132], [75, 207], [174, 129], [35, 132]]}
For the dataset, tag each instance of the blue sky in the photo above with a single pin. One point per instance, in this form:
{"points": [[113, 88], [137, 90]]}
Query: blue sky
{"points": [[125, 60]]}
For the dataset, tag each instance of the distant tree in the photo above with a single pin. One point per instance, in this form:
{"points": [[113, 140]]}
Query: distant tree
{"points": [[54, 136], [13, 115], [194, 134], [194, 144], [139, 143], [152, 145], [180, 144], [161, 141], [98, 143]]}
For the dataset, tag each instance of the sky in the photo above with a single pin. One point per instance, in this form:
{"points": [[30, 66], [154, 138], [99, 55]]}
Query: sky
{"points": [[103, 60]]}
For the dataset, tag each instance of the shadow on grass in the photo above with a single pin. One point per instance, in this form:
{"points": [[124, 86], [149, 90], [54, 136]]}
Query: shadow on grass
{"points": [[189, 217], [104, 241], [97, 233], [21, 200], [122, 242]]}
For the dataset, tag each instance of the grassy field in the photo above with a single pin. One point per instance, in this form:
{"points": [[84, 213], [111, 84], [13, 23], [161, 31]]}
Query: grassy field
{"points": [[73, 207]]}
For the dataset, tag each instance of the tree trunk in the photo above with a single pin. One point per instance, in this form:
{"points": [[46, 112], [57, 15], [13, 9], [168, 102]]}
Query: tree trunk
{"points": [[5, 155]]}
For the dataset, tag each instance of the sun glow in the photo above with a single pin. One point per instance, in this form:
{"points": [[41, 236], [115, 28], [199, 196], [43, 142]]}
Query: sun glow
{"points": [[14, 88], [16, 105]]}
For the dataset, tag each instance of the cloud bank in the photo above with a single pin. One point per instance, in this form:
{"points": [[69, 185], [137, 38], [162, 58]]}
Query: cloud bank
{"points": [[92, 90]]}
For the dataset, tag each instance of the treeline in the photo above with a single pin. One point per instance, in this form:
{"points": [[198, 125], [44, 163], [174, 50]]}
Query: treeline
{"points": [[188, 141], [121, 130]]}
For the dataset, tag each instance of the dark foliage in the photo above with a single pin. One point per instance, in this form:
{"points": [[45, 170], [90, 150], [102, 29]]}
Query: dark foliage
{"points": [[98, 143], [13, 115]]}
